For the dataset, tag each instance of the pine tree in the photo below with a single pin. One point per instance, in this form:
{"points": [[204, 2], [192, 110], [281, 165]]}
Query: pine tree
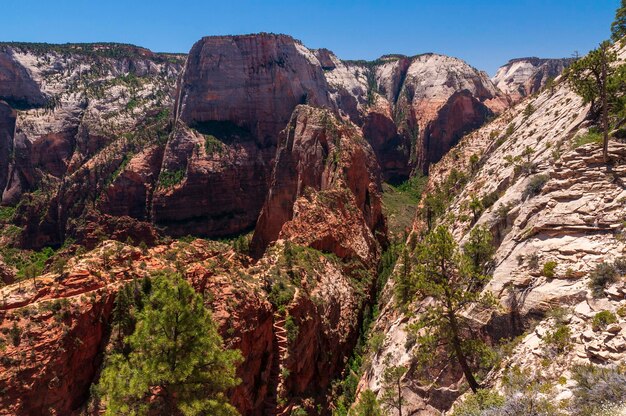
{"points": [[479, 250], [597, 80], [177, 362], [444, 274], [618, 27], [392, 386], [367, 405]]}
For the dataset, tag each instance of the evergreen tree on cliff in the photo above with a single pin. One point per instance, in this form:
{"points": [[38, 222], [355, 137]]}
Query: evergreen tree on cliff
{"points": [[177, 362], [451, 280], [618, 27], [598, 81]]}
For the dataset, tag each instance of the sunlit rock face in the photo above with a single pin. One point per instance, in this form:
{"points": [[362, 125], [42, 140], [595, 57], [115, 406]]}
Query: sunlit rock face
{"points": [[522, 77]]}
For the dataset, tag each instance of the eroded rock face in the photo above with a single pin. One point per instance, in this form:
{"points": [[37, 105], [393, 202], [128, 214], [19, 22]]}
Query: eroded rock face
{"points": [[86, 111], [17, 85], [64, 324], [7, 130], [572, 218], [319, 154], [522, 77], [409, 107]]}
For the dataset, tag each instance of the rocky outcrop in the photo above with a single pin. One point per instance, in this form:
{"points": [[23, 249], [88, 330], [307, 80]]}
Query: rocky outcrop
{"points": [[522, 77], [63, 324], [253, 82], [320, 155], [7, 130], [85, 110], [551, 199]]}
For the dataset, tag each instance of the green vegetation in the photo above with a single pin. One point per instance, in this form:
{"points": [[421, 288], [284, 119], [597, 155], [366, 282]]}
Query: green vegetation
{"points": [[344, 390], [448, 276], [548, 269], [367, 406], [477, 404], [559, 340], [392, 386], [524, 394], [169, 179], [400, 202], [603, 319], [436, 202], [618, 27], [6, 213], [599, 81], [29, 264], [212, 144], [176, 361], [591, 136], [529, 110], [535, 185], [599, 390], [603, 275]]}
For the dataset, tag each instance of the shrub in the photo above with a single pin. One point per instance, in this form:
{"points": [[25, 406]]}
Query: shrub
{"points": [[597, 388], [535, 185], [292, 329], [548, 269], [603, 319], [477, 403], [489, 199], [212, 144], [529, 110], [592, 136], [559, 340], [376, 341], [15, 333], [533, 261], [603, 275], [169, 178]]}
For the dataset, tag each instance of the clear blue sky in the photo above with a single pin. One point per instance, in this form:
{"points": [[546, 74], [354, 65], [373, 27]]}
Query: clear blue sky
{"points": [[486, 33]]}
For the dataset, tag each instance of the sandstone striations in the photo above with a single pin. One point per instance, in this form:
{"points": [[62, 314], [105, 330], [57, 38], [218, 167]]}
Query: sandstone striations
{"points": [[547, 200], [522, 77]]}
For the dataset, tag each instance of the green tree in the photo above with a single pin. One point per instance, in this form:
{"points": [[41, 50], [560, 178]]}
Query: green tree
{"points": [[177, 362], [367, 406], [618, 27], [392, 386], [597, 80], [479, 250], [403, 282], [445, 275], [477, 207]]}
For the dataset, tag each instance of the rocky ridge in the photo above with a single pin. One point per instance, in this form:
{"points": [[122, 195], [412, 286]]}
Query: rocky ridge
{"points": [[552, 200]]}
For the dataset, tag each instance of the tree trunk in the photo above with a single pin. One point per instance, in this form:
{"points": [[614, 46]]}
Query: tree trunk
{"points": [[460, 356], [605, 110]]}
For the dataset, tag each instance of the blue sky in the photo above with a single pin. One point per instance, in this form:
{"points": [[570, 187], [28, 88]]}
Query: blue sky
{"points": [[486, 33]]}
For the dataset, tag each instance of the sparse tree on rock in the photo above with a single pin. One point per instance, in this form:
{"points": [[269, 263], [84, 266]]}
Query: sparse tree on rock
{"points": [[367, 406], [392, 386], [450, 279], [598, 81]]}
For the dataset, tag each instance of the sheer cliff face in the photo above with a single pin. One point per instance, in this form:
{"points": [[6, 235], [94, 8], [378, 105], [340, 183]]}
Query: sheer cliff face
{"points": [[574, 219], [525, 76]]}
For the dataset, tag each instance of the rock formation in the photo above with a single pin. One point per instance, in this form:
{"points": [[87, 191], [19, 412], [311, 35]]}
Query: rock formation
{"points": [[551, 200], [522, 77]]}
